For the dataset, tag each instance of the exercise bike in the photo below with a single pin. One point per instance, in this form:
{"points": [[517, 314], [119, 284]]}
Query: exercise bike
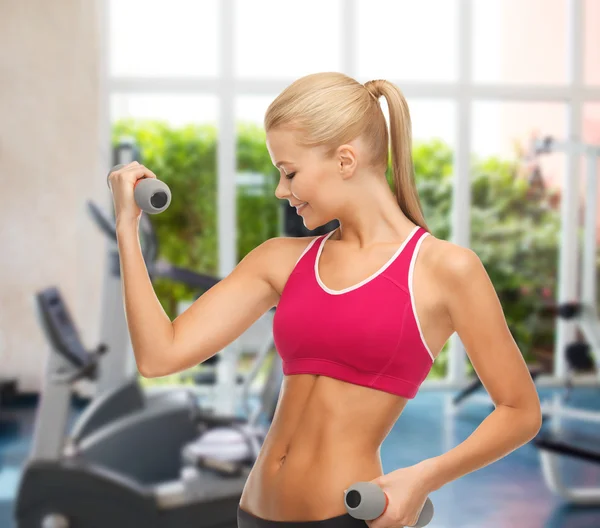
{"points": [[158, 468]]}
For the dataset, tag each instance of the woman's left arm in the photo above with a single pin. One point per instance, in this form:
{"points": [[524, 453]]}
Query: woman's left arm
{"points": [[477, 316], [474, 308]]}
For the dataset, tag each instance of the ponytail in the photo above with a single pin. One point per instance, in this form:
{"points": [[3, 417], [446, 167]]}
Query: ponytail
{"points": [[405, 187]]}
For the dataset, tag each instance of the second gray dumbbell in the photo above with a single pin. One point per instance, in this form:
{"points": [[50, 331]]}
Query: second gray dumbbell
{"points": [[367, 501]]}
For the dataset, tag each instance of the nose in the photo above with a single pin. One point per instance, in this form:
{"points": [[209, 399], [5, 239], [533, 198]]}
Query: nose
{"points": [[282, 190]]}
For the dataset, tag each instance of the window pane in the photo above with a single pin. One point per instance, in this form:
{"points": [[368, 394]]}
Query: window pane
{"points": [[498, 127], [515, 213], [591, 42], [251, 108], [286, 39], [257, 177], [259, 211], [401, 39], [503, 130], [177, 110], [432, 119], [591, 123], [520, 41], [155, 38]]}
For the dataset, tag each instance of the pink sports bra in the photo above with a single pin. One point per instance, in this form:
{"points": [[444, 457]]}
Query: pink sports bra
{"points": [[367, 334]]}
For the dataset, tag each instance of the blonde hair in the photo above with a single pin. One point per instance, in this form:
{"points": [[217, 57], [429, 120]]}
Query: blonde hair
{"points": [[330, 109]]}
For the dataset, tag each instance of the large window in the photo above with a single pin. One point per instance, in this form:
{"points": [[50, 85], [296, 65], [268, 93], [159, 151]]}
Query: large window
{"points": [[481, 78]]}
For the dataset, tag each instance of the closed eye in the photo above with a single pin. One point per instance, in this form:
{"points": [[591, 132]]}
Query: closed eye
{"points": [[290, 176]]}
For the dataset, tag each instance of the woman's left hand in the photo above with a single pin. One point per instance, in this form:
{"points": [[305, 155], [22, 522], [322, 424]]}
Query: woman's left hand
{"points": [[407, 490]]}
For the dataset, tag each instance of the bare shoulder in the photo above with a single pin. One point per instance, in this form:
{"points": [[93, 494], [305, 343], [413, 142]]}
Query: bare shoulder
{"points": [[448, 260], [283, 248], [277, 257], [455, 271]]}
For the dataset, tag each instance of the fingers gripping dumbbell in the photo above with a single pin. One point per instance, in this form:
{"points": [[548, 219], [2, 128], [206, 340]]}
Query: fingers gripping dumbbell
{"points": [[367, 501], [151, 196]]}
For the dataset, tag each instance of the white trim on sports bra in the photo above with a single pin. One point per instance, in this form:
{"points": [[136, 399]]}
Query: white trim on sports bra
{"points": [[410, 289], [368, 279], [306, 250]]}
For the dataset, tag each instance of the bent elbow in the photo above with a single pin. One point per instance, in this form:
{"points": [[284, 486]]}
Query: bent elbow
{"points": [[151, 368], [147, 370], [532, 423], [537, 421]]}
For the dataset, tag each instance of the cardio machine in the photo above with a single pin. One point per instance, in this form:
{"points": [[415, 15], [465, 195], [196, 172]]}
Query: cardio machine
{"points": [[167, 466]]}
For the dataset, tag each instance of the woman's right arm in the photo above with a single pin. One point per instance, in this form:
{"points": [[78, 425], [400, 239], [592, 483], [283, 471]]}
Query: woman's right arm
{"points": [[213, 321], [216, 318]]}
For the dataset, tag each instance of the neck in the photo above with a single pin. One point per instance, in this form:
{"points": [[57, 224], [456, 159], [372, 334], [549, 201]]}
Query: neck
{"points": [[372, 216]]}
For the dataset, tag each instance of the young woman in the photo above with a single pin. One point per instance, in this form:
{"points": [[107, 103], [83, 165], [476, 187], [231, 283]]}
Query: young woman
{"points": [[362, 313]]}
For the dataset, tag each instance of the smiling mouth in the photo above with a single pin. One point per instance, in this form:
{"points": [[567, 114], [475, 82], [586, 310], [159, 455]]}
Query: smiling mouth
{"points": [[301, 206]]}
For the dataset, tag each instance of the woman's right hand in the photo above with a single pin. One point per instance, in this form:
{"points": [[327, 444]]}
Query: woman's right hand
{"points": [[122, 183]]}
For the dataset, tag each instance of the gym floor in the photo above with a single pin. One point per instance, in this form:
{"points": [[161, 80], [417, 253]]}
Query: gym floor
{"points": [[509, 493]]}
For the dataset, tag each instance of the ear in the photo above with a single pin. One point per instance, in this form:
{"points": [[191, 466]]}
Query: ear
{"points": [[346, 160]]}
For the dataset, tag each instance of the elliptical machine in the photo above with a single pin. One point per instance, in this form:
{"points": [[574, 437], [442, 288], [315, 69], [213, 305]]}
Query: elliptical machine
{"points": [[148, 468]]}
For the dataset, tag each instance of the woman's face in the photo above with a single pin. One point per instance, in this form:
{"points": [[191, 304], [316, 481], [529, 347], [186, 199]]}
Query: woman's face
{"points": [[306, 177]]}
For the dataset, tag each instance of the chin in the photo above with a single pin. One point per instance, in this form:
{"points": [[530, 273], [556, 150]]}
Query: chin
{"points": [[311, 225], [313, 221], [310, 222]]}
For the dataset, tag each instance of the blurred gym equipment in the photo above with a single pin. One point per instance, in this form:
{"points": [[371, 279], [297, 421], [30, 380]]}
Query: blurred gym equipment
{"points": [[152, 467], [580, 358], [8, 390], [556, 440]]}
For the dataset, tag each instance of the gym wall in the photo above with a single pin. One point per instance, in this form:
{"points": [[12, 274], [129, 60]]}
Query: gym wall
{"points": [[53, 157]]}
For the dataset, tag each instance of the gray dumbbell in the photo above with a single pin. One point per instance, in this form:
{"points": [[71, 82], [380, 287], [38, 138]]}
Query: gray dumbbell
{"points": [[151, 195], [367, 501]]}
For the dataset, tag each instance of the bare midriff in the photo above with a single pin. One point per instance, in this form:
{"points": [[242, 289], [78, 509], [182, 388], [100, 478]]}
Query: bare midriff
{"points": [[326, 434]]}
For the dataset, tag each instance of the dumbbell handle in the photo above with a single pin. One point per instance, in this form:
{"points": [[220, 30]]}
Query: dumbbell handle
{"points": [[367, 501], [151, 195]]}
